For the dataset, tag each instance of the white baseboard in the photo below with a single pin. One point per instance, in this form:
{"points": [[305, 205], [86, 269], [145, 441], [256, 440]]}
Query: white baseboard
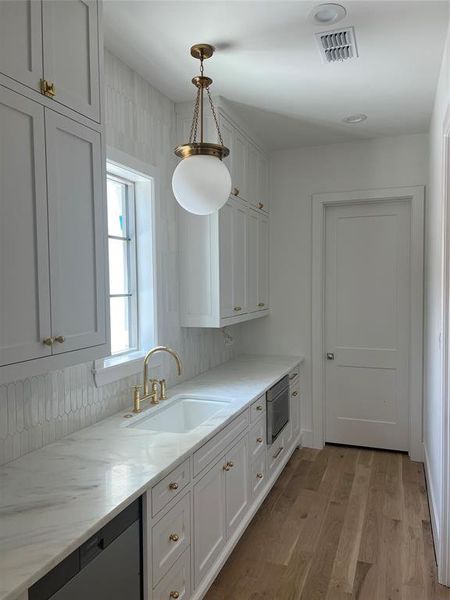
{"points": [[204, 586], [435, 517], [307, 438]]}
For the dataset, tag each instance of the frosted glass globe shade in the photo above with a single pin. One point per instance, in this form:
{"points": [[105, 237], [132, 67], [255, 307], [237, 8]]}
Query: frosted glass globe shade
{"points": [[201, 184]]}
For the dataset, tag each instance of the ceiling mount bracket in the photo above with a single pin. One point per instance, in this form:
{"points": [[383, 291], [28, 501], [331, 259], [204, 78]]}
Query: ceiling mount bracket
{"points": [[202, 51]]}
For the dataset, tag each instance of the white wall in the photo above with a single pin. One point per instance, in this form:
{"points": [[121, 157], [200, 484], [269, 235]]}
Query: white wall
{"points": [[433, 400], [295, 176], [37, 411]]}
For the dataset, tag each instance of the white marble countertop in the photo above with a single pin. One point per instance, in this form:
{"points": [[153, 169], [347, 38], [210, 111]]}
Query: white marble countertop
{"points": [[54, 499]]}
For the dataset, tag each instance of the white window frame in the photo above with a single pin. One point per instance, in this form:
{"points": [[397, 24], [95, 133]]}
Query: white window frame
{"points": [[146, 198], [130, 238]]}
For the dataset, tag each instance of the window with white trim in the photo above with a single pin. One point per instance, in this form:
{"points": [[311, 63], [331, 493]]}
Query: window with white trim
{"points": [[131, 187], [123, 290]]}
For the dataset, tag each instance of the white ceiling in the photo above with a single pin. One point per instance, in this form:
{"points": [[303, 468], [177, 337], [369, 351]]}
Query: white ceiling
{"points": [[267, 62]]}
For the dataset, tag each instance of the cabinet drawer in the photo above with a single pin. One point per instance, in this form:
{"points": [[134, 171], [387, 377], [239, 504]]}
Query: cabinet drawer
{"points": [[258, 475], [177, 582], [170, 487], [170, 537], [277, 451], [258, 409], [257, 439], [207, 453]]}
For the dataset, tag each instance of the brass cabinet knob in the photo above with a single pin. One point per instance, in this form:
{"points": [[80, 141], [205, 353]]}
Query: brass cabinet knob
{"points": [[48, 88], [294, 393], [260, 205], [231, 464], [48, 341], [174, 537], [173, 485], [235, 191], [174, 595], [261, 304], [226, 467], [259, 407], [60, 339], [259, 475], [259, 440], [237, 308]]}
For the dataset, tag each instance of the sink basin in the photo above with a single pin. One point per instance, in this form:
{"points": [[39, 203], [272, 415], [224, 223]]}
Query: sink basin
{"points": [[181, 416]]}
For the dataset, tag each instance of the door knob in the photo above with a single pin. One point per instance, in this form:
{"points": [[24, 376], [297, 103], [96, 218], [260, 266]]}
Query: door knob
{"points": [[330, 355]]}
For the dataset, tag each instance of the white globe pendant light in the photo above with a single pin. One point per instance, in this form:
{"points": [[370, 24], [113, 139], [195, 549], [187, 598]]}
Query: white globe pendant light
{"points": [[201, 182]]}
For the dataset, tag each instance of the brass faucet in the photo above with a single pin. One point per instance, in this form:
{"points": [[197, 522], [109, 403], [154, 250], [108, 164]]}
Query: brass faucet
{"points": [[153, 394]]}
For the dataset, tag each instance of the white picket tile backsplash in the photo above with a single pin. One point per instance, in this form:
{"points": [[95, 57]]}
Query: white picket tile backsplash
{"points": [[34, 412]]}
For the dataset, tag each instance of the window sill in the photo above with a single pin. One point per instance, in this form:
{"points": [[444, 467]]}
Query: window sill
{"points": [[113, 368]]}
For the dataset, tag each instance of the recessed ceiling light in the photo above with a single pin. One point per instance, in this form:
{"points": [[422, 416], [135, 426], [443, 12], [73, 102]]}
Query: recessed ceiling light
{"points": [[324, 14], [354, 119]]}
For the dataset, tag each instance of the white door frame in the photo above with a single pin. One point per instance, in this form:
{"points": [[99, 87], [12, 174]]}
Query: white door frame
{"points": [[415, 195]]}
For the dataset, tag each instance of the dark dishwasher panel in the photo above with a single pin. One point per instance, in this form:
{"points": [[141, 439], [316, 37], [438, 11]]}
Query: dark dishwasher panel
{"points": [[106, 567]]}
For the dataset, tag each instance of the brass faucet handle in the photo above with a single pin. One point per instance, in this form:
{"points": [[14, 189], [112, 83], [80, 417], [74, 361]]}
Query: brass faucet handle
{"points": [[162, 389], [137, 398], [154, 393]]}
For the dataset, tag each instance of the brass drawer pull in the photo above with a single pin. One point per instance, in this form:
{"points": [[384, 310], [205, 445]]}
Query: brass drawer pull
{"points": [[48, 341], [259, 475], [278, 452], [174, 537], [261, 304], [60, 339], [174, 595], [173, 486], [259, 407], [237, 308], [294, 393], [259, 440], [48, 88], [260, 205], [226, 467]]}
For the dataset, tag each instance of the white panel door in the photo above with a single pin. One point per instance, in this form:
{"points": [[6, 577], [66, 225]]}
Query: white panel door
{"points": [[77, 233], [263, 262], [237, 485], [21, 41], [71, 54], [209, 519], [367, 312], [252, 260], [24, 275]]}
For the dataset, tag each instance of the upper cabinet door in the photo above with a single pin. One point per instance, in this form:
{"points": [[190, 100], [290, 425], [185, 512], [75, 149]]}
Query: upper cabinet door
{"points": [[252, 260], [226, 260], [262, 182], [239, 161], [263, 267], [227, 131], [239, 258], [71, 54], [21, 41], [24, 289], [77, 233]]}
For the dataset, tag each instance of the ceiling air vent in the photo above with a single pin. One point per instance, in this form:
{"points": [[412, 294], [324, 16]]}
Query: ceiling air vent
{"points": [[337, 45]]}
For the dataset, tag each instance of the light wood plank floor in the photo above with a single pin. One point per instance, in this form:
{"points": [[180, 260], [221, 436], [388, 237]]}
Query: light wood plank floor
{"points": [[340, 523]]}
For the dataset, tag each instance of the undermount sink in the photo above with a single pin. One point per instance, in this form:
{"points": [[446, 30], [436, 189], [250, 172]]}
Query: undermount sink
{"points": [[181, 416]]}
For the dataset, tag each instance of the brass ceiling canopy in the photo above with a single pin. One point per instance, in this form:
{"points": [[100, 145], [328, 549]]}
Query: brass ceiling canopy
{"points": [[202, 83]]}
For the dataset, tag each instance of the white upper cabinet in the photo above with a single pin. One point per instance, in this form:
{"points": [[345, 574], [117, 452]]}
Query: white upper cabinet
{"points": [[71, 54], [24, 274], [55, 42], [21, 41], [77, 233], [224, 257]]}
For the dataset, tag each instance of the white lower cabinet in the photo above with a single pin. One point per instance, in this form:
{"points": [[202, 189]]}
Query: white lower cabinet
{"points": [[177, 583], [210, 530], [257, 475], [221, 499]]}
